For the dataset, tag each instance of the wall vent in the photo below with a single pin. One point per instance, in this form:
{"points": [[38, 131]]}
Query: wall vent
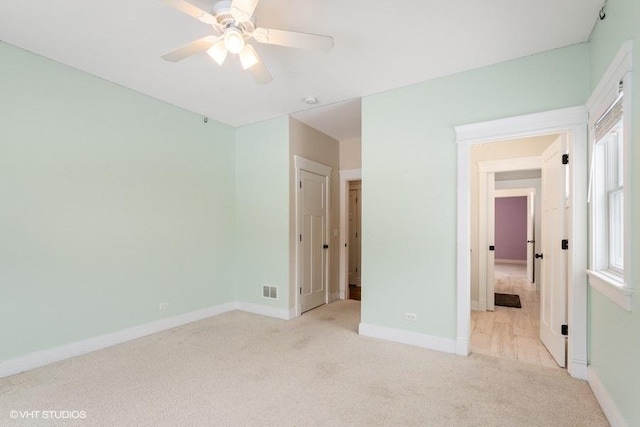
{"points": [[270, 292]]}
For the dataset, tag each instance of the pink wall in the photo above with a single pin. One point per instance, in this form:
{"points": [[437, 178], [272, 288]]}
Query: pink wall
{"points": [[511, 228]]}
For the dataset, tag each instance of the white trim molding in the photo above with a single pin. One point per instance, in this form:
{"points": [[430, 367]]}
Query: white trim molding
{"points": [[78, 348], [346, 176], [265, 310], [334, 296], [572, 121], [486, 196], [536, 124], [608, 405], [416, 339], [610, 288], [67, 351]]}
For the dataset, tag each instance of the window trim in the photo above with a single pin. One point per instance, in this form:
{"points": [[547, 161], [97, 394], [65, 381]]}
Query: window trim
{"points": [[614, 286]]}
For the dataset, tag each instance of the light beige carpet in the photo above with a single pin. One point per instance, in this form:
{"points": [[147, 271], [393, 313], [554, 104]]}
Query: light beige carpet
{"points": [[241, 369]]}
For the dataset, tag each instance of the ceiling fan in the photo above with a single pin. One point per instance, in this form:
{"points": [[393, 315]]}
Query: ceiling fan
{"points": [[233, 25]]}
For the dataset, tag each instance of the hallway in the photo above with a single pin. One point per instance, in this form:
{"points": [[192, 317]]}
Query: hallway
{"points": [[511, 333]]}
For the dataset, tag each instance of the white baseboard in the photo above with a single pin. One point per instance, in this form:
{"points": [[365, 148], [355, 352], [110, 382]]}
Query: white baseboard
{"points": [[510, 261], [578, 369], [67, 351], [278, 313], [462, 347], [446, 345], [334, 297], [609, 407]]}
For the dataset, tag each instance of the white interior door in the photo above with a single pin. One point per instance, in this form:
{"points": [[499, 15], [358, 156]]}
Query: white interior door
{"points": [[553, 286], [355, 197], [313, 234], [491, 240], [530, 235]]}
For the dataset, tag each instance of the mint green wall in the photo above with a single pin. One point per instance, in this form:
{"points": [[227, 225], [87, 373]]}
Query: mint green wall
{"points": [[614, 343], [409, 169], [262, 211], [112, 203]]}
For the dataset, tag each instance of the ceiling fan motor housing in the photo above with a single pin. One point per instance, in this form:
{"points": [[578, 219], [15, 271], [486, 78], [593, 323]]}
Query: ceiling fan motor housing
{"points": [[222, 12]]}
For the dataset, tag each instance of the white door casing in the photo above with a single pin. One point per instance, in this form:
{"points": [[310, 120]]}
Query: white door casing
{"points": [[573, 121], [486, 216], [491, 241], [530, 233], [312, 229], [553, 287]]}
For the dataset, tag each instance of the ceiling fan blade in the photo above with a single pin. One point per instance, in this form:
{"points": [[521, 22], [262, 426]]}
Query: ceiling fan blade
{"points": [[259, 72], [189, 49], [293, 39], [242, 10], [191, 10]]}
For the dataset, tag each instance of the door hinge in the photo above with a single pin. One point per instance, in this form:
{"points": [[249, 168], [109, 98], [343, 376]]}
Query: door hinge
{"points": [[565, 330], [492, 248], [565, 244], [565, 159], [300, 184], [300, 291], [301, 237]]}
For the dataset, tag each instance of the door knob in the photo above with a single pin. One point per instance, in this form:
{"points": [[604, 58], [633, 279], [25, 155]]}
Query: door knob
{"points": [[539, 256]]}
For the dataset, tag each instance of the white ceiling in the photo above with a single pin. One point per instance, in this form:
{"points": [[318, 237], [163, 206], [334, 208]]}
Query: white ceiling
{"points": [[379, 45]]}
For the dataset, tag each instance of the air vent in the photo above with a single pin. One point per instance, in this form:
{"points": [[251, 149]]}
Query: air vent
{"points": [[270, 292]]}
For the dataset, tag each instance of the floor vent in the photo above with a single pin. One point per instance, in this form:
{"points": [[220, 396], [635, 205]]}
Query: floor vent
{"points": [[270, 292]]}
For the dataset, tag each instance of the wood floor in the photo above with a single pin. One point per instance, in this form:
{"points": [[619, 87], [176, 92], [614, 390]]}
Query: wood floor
{"points": [[511, 333]]}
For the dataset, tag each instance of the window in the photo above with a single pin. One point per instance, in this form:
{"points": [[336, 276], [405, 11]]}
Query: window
{"points": [[609, 110], [608, 196]]}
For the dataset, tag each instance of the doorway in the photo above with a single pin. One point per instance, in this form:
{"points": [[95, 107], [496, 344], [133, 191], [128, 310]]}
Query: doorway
{"points": [[510, 327], [347, 177], [572, 123], [355, 236], [312, 228]]}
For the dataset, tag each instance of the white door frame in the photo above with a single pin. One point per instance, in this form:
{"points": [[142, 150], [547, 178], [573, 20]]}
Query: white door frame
{"points": [[305, 164], [573, 121], [486, 180], [346, 176]]}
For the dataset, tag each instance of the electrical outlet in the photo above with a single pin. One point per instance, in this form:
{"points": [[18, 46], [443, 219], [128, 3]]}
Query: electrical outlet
{"points": [[410, 316], [164, 306]]}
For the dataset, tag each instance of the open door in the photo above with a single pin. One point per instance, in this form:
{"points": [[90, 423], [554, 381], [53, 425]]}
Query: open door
{"points": [[530, 235], [553, 286], [491, 240]]}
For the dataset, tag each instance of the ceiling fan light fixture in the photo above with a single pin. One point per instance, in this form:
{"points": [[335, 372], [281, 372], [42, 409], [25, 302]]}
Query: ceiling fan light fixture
{"points": [[233, 40], [248, 57], [218, 52]]}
